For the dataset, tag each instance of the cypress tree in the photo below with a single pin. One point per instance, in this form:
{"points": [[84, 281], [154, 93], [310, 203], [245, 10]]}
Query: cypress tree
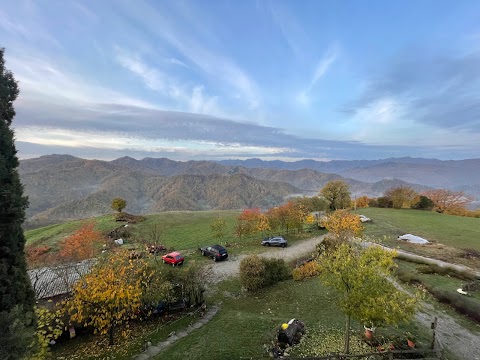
{"points": [[16, 294]]}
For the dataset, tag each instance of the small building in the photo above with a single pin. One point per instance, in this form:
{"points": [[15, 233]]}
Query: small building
{"points": [[54, 283]]}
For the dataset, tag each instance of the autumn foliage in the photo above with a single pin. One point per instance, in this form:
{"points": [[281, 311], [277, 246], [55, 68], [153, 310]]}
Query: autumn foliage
{"points": [[448, 200], [38, 256], [81, 244], [305, 271], [113, 293], [362, 202], [344, 225]]}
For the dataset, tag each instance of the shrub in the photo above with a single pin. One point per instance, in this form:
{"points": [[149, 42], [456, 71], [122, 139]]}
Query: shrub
{"points": [[305, 271], [257, 273], [275, 270], [252, 273]]}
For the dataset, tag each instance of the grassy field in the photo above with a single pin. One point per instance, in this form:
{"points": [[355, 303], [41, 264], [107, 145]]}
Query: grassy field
{"points": [[449, 234], [184, 231]]}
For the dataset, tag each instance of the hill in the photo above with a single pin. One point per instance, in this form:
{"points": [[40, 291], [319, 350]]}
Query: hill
{"points": [[64, 187], [78, 188]]}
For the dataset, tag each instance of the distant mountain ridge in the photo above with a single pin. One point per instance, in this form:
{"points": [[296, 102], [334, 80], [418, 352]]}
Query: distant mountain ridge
{"points": [[428, 172], [64, 187]]}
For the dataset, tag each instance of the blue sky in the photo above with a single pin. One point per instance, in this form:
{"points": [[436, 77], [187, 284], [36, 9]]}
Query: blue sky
{"points": [[211, 79]]}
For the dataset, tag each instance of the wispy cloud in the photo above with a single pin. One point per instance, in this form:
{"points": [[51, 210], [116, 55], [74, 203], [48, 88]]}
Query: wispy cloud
{"points": [[189, 98], [321, 69], [437, 90], [214, 64], [292, 31], [177, 62]]}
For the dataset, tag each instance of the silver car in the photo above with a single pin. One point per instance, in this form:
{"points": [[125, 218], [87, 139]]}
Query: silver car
{"points": [[275, 241]]}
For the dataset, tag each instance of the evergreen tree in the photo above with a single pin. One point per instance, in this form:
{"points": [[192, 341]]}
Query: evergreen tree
{"points": [[16, 294]]}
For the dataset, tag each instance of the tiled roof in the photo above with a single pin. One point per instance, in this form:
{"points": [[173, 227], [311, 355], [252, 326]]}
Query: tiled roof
{"points": [[56, 280]]}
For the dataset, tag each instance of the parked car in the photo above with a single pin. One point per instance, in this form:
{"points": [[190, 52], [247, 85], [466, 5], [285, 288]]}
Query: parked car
{"points": [[173, 258], [275, 241], [216, 252]]}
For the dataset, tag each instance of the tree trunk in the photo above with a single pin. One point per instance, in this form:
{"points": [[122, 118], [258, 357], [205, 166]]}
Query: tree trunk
{"points": [[110, 333], [347, 335]]}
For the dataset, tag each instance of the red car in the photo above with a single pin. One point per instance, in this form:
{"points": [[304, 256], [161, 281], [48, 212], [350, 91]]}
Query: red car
{"points": [[173, 258]]}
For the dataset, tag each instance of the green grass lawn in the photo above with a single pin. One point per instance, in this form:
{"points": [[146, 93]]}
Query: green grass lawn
{"points": [[449, 233]]}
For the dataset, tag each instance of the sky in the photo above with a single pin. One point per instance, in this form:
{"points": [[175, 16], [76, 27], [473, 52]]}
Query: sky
{"points": [[208, 79]]}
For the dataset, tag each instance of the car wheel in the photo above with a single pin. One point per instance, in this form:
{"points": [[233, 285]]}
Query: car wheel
{"points": [[173, 264], [268, 244], [214, 259], [283, 245]]}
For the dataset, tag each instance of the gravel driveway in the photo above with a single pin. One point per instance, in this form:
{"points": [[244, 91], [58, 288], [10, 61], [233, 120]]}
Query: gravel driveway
{"points": [[217, 272]]}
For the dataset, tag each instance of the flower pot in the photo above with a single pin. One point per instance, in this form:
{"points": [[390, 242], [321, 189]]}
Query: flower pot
{"points": [[410, 343]]}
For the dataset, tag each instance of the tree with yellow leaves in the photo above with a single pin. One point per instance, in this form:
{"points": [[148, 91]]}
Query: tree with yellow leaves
{"points": [[343, 225], [114, 292], [360, 279]]}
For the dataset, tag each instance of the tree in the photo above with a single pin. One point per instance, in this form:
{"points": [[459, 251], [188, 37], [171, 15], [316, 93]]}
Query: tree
{"points": [[81, 244], [423, 203], [337, 193], [359, 277], [362, 202], [118, 204], [446, 200], [16, 295], [114, 291], [314, 203], [344, 225], [49, 327], [401, 196]]}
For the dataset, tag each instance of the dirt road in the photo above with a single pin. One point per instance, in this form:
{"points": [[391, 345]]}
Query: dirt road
{"points": [[225, 269]]}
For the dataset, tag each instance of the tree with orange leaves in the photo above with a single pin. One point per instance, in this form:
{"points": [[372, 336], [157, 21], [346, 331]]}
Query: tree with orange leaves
{"points": [[81, 244], [447, 200], [362, 202]]}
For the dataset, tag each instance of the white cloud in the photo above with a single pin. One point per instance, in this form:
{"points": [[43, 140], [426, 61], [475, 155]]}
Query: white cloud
{"points": [[177, 62], [211, 62], [192, 99], [323, 65], [321, 69]]}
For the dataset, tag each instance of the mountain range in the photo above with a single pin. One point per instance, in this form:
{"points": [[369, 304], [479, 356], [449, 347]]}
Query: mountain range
{"points": [[62, 187]]}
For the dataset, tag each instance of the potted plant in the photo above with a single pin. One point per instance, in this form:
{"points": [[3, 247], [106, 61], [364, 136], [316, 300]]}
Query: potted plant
{"points": [[410, 339]]}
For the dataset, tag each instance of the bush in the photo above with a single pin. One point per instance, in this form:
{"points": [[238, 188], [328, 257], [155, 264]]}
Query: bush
{"points": [[462, 304], [275, 270], [257, 273], [305, 271], [252, 273]]}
